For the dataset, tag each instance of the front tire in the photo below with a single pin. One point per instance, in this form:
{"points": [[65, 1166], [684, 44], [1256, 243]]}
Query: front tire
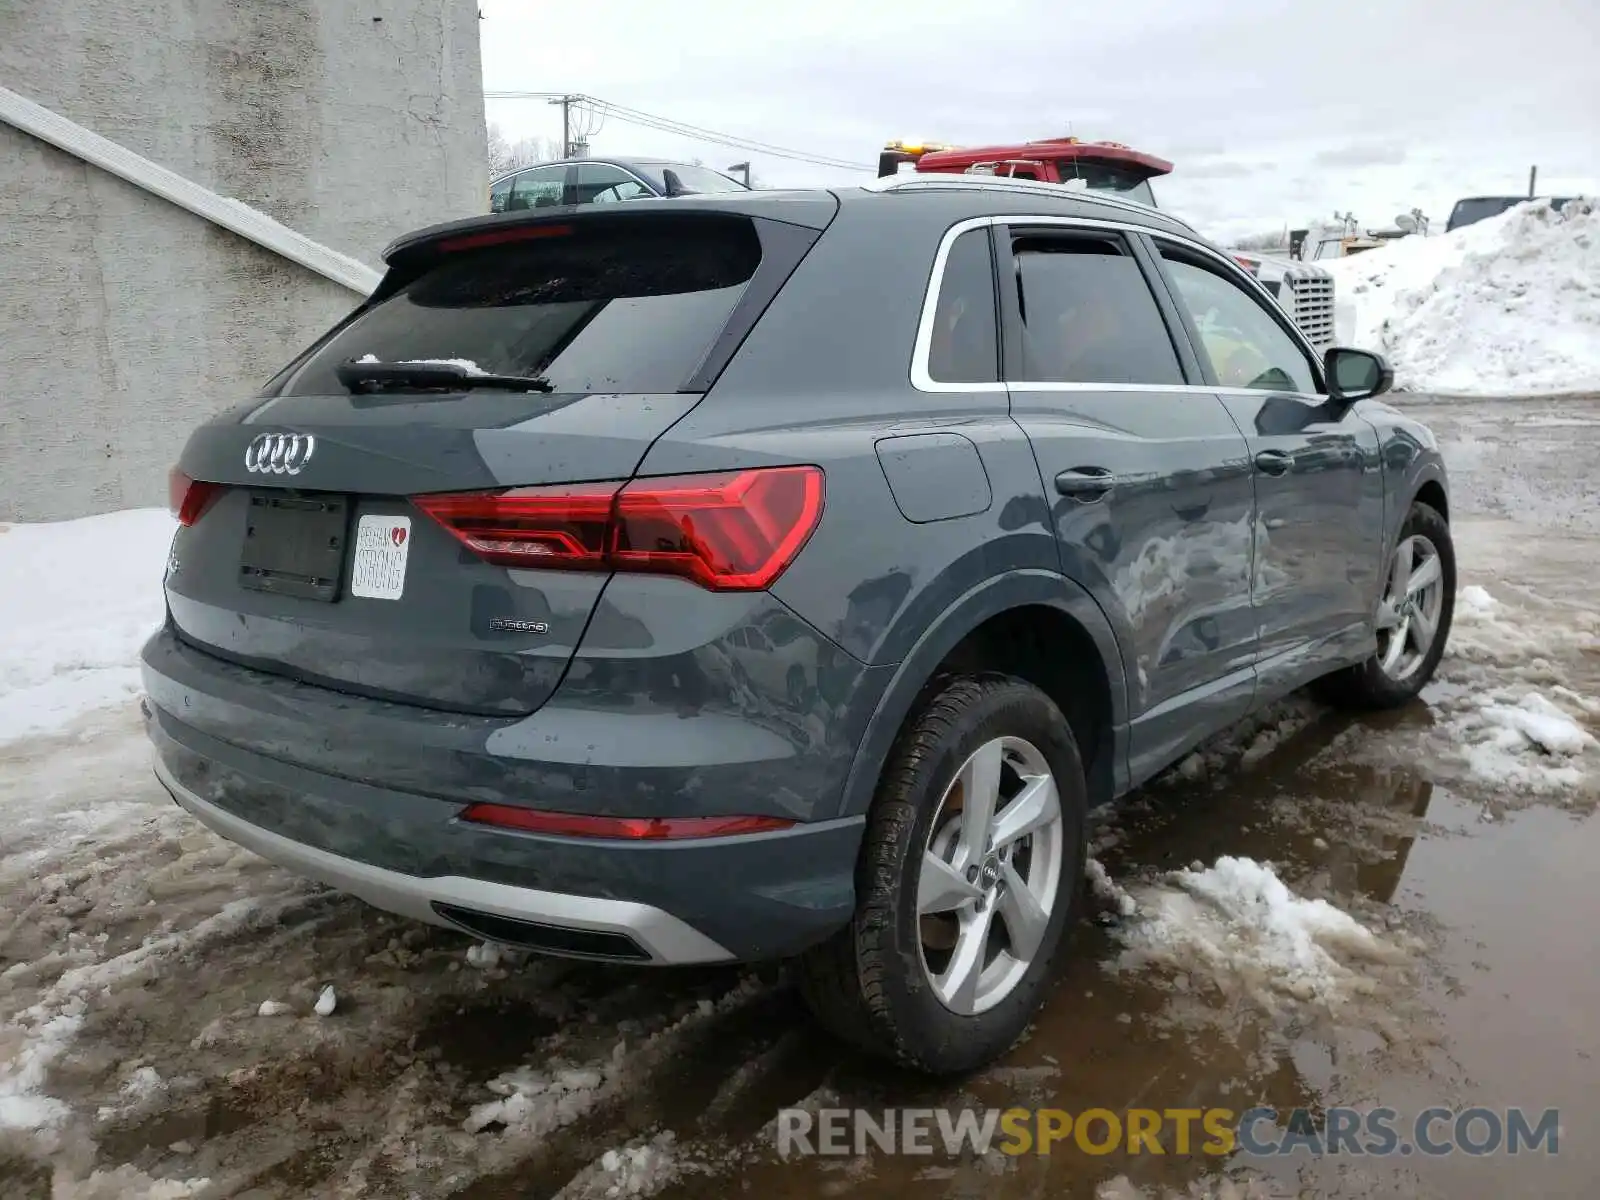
{"points": [[1413, 619], [971, 864]]}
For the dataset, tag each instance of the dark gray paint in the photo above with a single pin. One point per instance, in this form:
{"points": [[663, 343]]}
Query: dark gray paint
{"points": [[935, 476], [1320, 551], [1165, 551], [651, 697]]}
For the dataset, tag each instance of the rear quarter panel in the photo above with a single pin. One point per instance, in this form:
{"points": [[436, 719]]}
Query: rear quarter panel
{"points": [[825, 378]]}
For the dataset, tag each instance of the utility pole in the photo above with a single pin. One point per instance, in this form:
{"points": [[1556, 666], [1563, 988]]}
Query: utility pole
{"points": [[1533, 174], [744, 167], [566, 103]]}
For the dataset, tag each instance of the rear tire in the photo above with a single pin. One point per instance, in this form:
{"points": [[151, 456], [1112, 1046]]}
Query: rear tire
{"points": [[1405, 661], [895, 982]]}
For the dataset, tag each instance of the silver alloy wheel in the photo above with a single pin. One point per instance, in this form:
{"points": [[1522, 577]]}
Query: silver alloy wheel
{"points": [[995, 848], [1408, 614]]}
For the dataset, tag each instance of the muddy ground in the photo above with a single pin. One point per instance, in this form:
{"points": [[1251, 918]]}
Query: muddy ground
{"points": [[136, 951]]}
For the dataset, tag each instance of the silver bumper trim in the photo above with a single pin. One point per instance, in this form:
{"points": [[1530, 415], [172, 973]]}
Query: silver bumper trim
{"points": [[663, 936]]}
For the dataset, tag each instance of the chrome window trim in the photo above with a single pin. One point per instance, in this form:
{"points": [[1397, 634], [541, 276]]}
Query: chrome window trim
{"points": [[577, 162], [924, 382], [923, 346]]}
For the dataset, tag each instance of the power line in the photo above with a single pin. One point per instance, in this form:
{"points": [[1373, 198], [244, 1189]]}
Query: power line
{"points": [[633, 116], [698, 133]]}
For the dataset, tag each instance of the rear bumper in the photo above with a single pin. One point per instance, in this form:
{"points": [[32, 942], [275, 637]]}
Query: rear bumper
{"points": [[658, 936], [404, 848]]}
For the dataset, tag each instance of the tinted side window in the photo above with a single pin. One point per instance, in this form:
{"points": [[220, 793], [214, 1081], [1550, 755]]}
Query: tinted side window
{"points": [[539, 188], [1246, 346], [630, 189], [965, 347], [595, 178], [1088, 315], [500, 195]]}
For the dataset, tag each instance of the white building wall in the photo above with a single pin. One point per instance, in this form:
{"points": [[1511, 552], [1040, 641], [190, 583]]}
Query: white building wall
{"points": [[125, 320]]}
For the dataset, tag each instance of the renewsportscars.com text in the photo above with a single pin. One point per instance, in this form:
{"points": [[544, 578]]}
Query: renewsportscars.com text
{"points": [[1257, 1132]]}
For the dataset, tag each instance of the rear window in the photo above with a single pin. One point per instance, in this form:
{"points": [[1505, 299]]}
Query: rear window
{"points": [[1108, 177], [628, 305], [1470, 212], [1088, 314]]}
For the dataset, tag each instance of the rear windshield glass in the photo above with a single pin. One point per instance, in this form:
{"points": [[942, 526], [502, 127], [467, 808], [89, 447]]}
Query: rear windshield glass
{"points": [[1470, 212], [1108, 177], [629, 305]]}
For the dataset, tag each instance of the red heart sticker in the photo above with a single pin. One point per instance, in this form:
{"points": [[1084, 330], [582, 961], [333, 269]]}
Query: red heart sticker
{"points": [[399, 535]]}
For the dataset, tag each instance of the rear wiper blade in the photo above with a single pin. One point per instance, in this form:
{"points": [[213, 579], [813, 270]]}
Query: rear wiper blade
{"points": [[401, 376]]}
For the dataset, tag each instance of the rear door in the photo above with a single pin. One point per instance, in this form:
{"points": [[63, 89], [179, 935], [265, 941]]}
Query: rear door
{"points": [[1319, 487], [1151, 494], [316, 556]]}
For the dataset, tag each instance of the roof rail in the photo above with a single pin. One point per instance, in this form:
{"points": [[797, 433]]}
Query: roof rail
{"points": [[938, 181]]}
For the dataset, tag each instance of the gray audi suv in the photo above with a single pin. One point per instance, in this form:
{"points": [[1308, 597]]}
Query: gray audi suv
{"points": [[780, 575]]}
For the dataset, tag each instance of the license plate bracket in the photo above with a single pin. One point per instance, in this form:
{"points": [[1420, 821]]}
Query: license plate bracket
{"points": [[295, 545]]}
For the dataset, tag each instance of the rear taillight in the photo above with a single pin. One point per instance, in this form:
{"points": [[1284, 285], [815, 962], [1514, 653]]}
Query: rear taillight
{"points": [[530, 527], [188, 499], [732, 531], [650, 829]]}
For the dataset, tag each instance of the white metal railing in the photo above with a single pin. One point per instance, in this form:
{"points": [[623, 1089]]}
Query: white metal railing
{"points": [[233, 215]]}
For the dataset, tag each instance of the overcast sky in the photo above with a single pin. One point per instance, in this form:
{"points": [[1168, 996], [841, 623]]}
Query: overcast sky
{"points": [[1274, 112]]}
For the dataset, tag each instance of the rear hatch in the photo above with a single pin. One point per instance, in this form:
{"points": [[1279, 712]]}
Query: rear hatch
{"points": [[307, 549]]}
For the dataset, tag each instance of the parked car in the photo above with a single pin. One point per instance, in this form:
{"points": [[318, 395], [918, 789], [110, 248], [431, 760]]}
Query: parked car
{"points": [[1480, 208], [602, 181], [780, 574]]}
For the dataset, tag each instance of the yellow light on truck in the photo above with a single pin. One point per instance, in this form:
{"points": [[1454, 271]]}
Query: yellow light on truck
{"points": [[916, 146]]}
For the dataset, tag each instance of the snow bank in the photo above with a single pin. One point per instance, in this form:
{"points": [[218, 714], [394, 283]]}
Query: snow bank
{"points": [[77, 600], [1508, 306], [1512, 721], [1236, 924]]}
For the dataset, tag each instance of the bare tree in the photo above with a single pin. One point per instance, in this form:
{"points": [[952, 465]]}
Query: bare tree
{"points": [[1270, 240], [499, 152], [506, 155]]}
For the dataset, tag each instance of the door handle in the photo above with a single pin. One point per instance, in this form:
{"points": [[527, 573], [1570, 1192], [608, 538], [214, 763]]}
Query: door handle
{"points": [[1274, 462], [1087, 484]]}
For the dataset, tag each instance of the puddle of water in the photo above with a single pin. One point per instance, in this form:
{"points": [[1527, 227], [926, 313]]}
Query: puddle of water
{"points": [[1503, 1017]]}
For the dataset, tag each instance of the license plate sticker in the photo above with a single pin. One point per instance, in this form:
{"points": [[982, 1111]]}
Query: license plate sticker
{"points": [[382, 545]]}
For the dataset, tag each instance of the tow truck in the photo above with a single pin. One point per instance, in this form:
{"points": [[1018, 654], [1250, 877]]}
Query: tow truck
{"points": [[1304, 291]]}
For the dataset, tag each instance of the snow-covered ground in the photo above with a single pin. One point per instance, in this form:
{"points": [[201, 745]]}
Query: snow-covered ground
{"points": [[77, 599], [1508, 306], [178, 1019]]}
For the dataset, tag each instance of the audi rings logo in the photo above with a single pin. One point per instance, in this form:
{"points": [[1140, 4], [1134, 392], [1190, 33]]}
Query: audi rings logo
{"points": [[279, 453]]}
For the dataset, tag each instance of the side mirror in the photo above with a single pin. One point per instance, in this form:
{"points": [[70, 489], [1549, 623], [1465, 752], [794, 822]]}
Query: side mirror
{"points": [[1356, 374]]}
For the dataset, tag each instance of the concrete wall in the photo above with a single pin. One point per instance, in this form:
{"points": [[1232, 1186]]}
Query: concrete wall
{"points": [[125, 320]]}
